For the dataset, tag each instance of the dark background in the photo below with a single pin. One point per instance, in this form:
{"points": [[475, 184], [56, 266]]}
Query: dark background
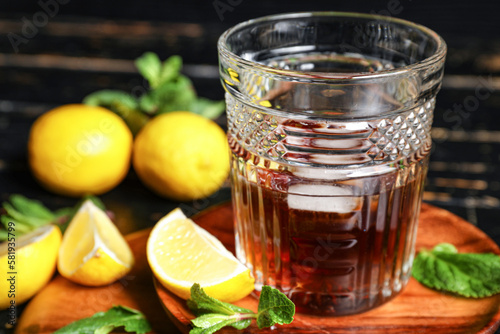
{"points": [[90, 45]]}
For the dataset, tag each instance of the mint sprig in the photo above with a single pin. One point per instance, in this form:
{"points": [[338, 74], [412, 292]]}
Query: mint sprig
{"points": [[104, 322], [212, 314], [465, 274], [169, 90], [29, 214]]}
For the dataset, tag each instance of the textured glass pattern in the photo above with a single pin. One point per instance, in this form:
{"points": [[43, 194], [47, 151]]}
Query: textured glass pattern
{"points": [[329, 119], [362, 143]]}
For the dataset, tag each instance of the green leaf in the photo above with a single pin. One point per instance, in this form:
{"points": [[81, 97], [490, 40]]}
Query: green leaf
{"points": [[30, 207], [104, 329], [149, 65], [207, 108], [96, 200], [175, 95], [109, 97], [24, 219], [149, 102], [217, 322], [445, 247], [170, 69], [465, 274], [212, 329], [242, 324], [28, 215], [20, 227], [124, 105], [63, 213], [201, 303], [3, 235], [63, 218], [104, 322], [208, 320], [274, 308]]}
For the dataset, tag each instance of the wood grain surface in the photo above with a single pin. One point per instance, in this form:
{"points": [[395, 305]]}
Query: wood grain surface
{"points": [[416, 310]]}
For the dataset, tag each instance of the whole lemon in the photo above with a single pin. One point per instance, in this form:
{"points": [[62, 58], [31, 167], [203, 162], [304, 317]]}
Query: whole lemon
{"points": [[181, 155], [77, 149]]}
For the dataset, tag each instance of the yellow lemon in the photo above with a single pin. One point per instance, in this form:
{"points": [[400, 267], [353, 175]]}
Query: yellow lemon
{"points": [[181, 253], [28, 265], [182, 156], [78, 149], [93, 252]]}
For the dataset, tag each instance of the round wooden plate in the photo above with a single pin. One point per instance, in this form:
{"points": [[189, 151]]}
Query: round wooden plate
{"points": [[416, 310]]}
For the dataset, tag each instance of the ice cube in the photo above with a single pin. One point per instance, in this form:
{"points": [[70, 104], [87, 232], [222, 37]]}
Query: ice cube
{"points": [[347, 144], [323, 198], [321, 173]]}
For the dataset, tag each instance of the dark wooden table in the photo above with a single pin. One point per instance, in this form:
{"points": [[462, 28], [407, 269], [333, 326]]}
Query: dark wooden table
{"points": [[87, 46]]}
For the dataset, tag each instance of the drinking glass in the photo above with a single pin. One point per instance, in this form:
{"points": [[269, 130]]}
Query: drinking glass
{"points": [[329, 120]]}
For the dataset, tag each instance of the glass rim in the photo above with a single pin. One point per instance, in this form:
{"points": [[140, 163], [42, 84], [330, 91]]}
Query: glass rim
{"points": [[437, 56]]}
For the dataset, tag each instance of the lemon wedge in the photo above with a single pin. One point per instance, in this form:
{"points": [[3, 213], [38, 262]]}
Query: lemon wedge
{"points": [[181, 253], [33, 263], [93, 252]]}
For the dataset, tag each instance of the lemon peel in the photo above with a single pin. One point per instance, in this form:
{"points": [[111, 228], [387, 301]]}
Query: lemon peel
{"points": [[93, 252], [180, 253], [34, 264], [182, 156], [76, 150]]}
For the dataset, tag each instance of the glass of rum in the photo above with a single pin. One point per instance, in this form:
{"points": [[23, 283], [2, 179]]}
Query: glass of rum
{"points": [[329, 120]]}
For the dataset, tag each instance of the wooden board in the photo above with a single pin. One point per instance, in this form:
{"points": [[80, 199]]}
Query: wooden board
{"points": [[62, 302], [416, 310]]}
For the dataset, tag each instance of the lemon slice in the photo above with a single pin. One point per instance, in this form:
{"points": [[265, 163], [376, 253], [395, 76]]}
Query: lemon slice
{"points": [[181, 253], [93, 252], [33, 263]]}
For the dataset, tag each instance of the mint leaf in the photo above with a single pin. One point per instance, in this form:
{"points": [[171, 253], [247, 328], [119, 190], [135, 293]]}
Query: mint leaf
{"points": [[31, 207], [149, 102], [96, 200], [4, 235], [218, 321], [170, 90], [214, 328], [149, 65], [28, 214], [207, 108], [105, 322], [208, 320], [274, 308], [445, 247], [201, 303], [108, 97], [21, 228], [124, 105], [465, 274], [170, 69], [242, 324], [175, 95], [22, 218]]}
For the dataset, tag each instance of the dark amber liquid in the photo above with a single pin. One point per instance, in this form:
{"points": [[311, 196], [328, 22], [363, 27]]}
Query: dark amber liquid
{"points": [[337, 242], [335, 247]]}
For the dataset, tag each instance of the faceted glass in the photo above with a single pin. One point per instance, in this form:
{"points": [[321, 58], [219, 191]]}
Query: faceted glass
{"points": [[329, 119]]}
